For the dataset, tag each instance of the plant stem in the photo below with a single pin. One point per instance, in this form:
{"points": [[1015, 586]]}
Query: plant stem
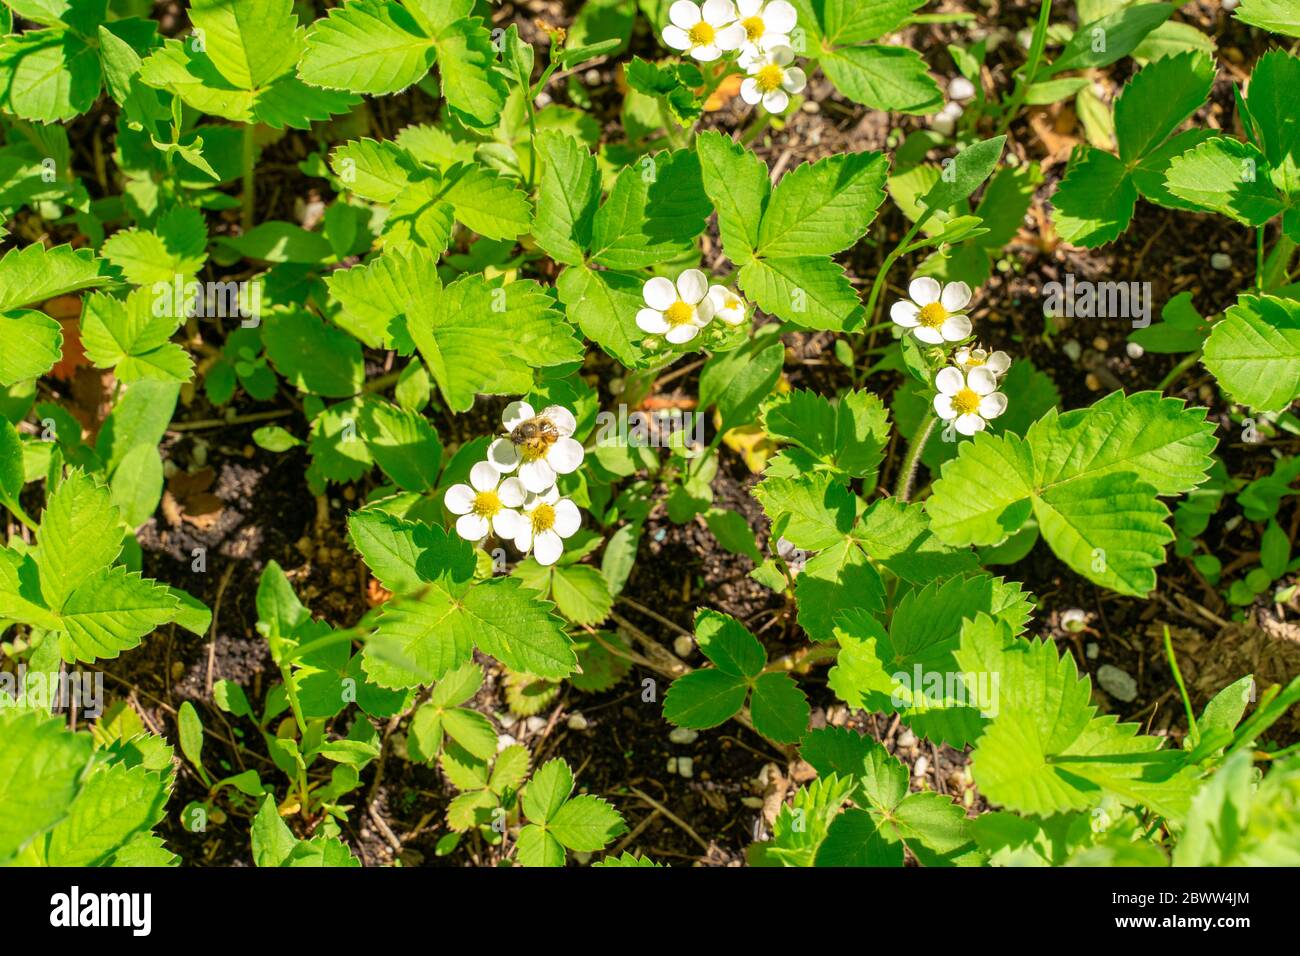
{"points": [[883, 272], [913, 459], [250, 183], [1277, 264], [1026, 79], [1177, 371], [1182, 687]]}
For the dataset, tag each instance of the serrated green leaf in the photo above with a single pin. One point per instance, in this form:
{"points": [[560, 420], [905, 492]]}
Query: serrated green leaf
{"points": [[1094, 202], [41, 771], [370, 46], [1158, 99], [705, 698], [824, 207], [1225, 176], [887, 78], [1254, 352]]}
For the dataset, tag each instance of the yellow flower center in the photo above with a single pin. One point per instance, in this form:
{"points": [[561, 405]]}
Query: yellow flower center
{"points": [[679, 313], [974, 361], [754, 28], [543, 518], [769, 78], [702, 34], [966, 402], [486, 504], [933, 315], [732, 304]]}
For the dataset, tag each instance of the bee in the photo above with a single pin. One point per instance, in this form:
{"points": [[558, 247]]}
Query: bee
{"points": [[533, 436]]}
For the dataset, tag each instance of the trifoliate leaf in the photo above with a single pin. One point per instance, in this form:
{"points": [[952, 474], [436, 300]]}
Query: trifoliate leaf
{"points": [[898, 536], [846, 436], [370, 46], [1226, 176], [133, 337], [817, 509], [833, 581], [176, 247]]}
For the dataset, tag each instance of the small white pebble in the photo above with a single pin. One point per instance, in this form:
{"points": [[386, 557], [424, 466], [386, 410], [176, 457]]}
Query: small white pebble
{"points": [[921, 766], [684, 646], [906, 739], [1221, 261], [683, 735], [504, 741], [592, 77], [1230, 5], [960, 88], [1134, 350], [672, 764], [577, 722], [686, 766], [1091, 650], [535, 725], [952, 109], [1119, 684], [944, 125], [1072, 350]]}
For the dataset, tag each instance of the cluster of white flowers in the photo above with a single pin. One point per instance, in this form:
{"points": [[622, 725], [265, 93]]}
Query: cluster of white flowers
{"points": [[934, 314], [526, 507], [678, 312], [758, 30]]}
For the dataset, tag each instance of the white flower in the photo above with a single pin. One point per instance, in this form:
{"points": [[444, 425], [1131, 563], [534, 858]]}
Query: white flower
{"points": [[969, 358], [969, 400], [676, 312], [933, 312], [705, 31], [727, 306], [766, 25], [772, 79], [538, 444], [488, 502], [547, 520]]}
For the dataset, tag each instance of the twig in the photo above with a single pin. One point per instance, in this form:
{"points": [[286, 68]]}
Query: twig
{"points": [[671, 816], [212, 632]]}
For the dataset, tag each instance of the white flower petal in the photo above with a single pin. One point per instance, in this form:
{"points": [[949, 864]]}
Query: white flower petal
{"points": [[943, 406], [927, 335], [685, 14], [561, 418], [776, 101], [565, 456], [537, 475], [524, 539], [505, 523], [547, 548], [905, 313], [648, 320], [718, 297], [676, 37], [969, 424], [955, 328], [660, 293], [747, 8], [749, 91], [567, 518], [795, 80], [731, 37], [704, 312], [924, 290], [981, 380], [692, 286], [719, 12], [949, 381], [503, 455], [472, 527], [459, 499], [551, 495], [706, 54], [998, 363], [781, 55], [515, 413], [484, 476], [512, 493], [680, 334], [956, 296], [780, 17], [991, 406]]}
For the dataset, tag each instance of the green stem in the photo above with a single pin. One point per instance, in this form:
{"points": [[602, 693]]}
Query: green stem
{"points": [[1177, 371], [913, 459], [878, 285], [1182, 687], [694, 467], [1026, 79], [1277, 265], [532, 145], [250, 184]]}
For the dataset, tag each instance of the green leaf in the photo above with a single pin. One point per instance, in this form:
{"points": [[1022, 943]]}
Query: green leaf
{"points": [[178, 247], [779, 708], [809, 291], [376, 295], [848, 436], [1225, 176], [134, 338], [80, 534], [586, 824], [568, 193], [281, 242], [467, 73], [705, 698], [736, 181], [1254, 352], [314, 357], [41, 771], [835, 580], [376, 171], [898, 537], [31, 274], [819, 510], [391, 547], [116, 804], [847, 22], [729, 644], [403, 444], [604, 306], [964, 174], [191, 733], [1276, 16], [251, 42], [1110, 38], [486, 202], [547, 792], [1271, 104], [653, 213], [581, 594], [30, 344], [367, 46], [111, 611], [823, 208], [886, 78], [1094, 203], [536, 847], [1154, 103], [48, 76]]}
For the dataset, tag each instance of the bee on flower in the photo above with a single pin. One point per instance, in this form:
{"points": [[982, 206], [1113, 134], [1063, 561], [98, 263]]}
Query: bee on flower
{"points": [[545, 521], [706, 30], [677, 312], [772, 80], [539, 444], [968, 399], [490, 502], [968, 358], [932, 312]]}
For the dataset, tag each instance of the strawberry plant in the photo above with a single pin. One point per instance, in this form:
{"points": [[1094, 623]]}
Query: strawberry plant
{"points": [[546, 434]]}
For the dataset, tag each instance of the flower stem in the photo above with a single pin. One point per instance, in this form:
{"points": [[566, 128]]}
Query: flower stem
{"points": [[879, 284], [1026, 79], [913, 459]]}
